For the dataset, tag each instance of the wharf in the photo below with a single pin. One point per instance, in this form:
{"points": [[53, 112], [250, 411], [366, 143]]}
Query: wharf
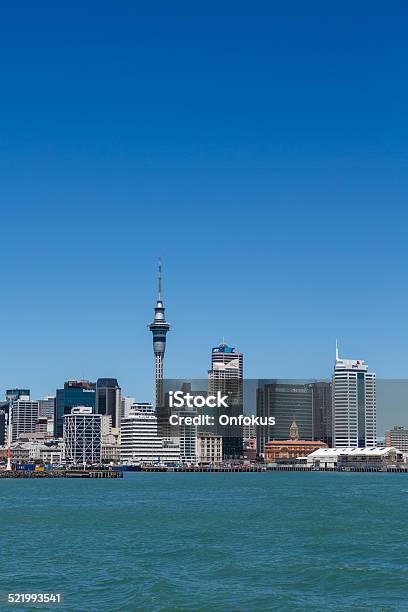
{"points": [[60, 474], [204, 469], [351, 468]]}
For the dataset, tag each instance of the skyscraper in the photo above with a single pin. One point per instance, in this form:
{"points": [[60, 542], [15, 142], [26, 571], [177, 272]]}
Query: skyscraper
{"points": [[354, 403], [107, 400], [159, 328], [24, 415], [227, 371], [322, 412], [75, 393], [286, 401], [226, 376]]}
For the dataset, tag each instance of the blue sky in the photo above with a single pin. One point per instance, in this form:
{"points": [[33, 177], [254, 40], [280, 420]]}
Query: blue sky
{"points": [[259, 147]]}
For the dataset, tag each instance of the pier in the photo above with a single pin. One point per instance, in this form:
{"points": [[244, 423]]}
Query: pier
{"points": [[61, 474]]}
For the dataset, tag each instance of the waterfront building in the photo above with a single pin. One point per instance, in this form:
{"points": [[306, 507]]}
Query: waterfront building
{"points": [[110, 440], [355, 457], [31, 448], [82, 436], [110, 449], [139, 439], [107, 399], [285, 401], [249, 450], [106, 424], [185, 436], [74, 393], [187, 440], [292, 448], [354, 404], [24, 415], [398, 437], [209, 449], [170, 453], [159, 328], [19, 452], [51, 455]]}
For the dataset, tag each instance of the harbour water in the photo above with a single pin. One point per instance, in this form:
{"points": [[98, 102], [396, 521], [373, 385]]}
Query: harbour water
{"points": [[202, 542]]}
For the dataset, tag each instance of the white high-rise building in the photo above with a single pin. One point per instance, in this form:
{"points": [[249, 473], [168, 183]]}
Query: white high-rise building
{"points": [[354, 404], [126, 403], [226, 373], [24, 415], [139, 440]]}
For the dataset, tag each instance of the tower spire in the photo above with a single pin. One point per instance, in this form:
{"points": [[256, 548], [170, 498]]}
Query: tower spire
{"points": [[337, 350], [159, 281]]}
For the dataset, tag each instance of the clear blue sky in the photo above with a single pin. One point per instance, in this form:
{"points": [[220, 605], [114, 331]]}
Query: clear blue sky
{"points": [[259, 147]]}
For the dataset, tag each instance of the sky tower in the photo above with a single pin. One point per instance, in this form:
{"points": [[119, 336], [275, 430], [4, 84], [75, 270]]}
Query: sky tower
{"points": [[159, 328]]}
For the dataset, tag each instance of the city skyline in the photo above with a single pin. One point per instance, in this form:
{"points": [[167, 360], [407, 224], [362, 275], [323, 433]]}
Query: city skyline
{"points": [[159, 328]]}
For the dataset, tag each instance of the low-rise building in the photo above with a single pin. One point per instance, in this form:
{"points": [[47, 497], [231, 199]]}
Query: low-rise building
{"points": [[355, 457], [291, 449], [110, 448], [51, 455], [209, 449]]}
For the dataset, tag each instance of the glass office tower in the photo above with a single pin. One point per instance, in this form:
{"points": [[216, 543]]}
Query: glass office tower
{"points": [[108, 399], [75, 393]]}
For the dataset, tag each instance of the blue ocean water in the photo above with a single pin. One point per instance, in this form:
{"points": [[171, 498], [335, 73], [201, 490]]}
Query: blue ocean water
{"points": [[202, 542]]}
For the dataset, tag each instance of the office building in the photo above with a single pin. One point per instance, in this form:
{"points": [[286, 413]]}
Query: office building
{"points": [[226, 376], [107, 399], [46, 406], [41, 427], [322, 412], [82, 436], [397, 437], [354, 404], [145, 407], [159, 328], [126, 404], [15, 394], [24, 415], [209, 449], [227, 372], [74, 393], [285, 401], [139, 439]]}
